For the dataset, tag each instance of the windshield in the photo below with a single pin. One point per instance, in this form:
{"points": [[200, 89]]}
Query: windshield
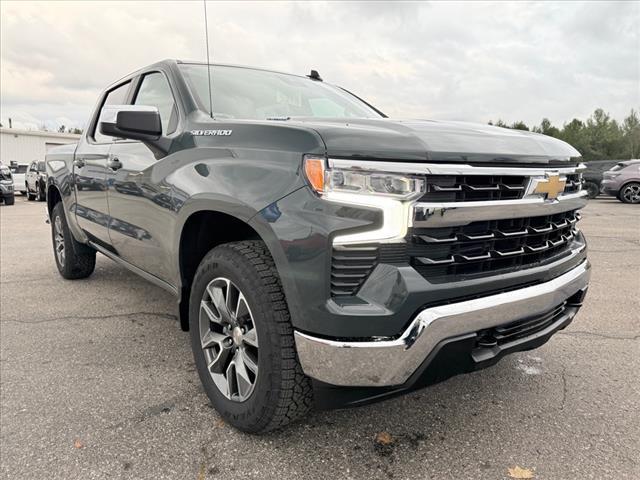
{"points": [[245, 93], [19, 168]]}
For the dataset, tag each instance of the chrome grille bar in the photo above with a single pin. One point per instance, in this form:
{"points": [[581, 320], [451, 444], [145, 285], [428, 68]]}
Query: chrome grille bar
{"points": [[434, 215]]}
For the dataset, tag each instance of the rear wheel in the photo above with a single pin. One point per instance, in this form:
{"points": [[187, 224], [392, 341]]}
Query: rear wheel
{"points": [[42, 196], [630, 193], [73, 259], [242, 339], [592, 189], [10, 200]]}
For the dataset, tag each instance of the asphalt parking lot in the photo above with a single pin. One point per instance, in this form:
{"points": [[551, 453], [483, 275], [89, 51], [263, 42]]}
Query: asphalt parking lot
{"points": [[98, 381]]}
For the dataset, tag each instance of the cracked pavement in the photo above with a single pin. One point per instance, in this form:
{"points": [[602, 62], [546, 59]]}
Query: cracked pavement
{"points": [[98, 381]]}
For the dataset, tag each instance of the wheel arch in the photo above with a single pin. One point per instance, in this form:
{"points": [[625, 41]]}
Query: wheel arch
{"points": [[53, 197], [201, 231]]}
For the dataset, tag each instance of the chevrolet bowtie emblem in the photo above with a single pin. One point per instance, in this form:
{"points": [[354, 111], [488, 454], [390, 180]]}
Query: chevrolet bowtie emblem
{"points": [[552, 186]]}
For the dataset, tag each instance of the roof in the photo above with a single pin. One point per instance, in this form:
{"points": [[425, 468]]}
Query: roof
{"points": [[39, 133], [189, 62]]}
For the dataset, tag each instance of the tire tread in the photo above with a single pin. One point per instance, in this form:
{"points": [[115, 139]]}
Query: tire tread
{"points": [[80, 259], [293, 398]]}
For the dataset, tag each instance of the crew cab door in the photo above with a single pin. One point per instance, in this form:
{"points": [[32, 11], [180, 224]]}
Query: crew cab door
{"points": [[140, 202], [90, 173], [32, 175]]}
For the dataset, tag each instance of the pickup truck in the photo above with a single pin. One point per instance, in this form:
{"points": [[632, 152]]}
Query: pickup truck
{"points": [[321, 254]]}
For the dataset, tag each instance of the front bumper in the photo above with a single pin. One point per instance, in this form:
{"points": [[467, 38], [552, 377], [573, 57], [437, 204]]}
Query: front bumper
{"points": [[609, 186], [6, 189], [391, 362]]}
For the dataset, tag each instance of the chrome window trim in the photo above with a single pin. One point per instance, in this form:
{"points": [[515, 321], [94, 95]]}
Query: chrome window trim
{"points": [[448, 168]]}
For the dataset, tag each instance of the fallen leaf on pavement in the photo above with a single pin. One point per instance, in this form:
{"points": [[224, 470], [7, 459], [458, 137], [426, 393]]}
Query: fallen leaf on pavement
{"points": [[77, 443], [518, 472], [384, 438]]}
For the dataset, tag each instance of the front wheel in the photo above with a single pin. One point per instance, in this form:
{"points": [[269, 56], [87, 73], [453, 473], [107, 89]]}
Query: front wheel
{"points": [[630, 193], [30, 196], [242, 339], [592, 189], [73, 259], [10, 200]]}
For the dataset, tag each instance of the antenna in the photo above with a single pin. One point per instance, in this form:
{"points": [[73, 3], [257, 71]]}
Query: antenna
{"points": [[206, 34]]}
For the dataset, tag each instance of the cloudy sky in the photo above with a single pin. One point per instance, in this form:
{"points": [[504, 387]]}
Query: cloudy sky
{"points": [[465, 61]]}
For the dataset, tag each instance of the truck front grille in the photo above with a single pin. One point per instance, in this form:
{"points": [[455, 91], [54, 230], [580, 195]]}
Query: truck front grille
{"points": [[472, 221], [486, 247], [474, 188], [482, 188], [574, 183]]}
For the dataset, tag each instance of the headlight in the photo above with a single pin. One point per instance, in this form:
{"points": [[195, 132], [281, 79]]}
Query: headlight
{"points": [[325, 181], [389, 192]]}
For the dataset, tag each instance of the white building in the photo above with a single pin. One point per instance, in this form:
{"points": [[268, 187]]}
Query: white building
{"points": [[25, 146]]}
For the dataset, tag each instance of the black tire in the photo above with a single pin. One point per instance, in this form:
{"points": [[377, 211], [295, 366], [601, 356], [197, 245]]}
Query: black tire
{"points": [[593, 190], [42, 196], [79, 260], [281, 393], [10, 200], [630, 193], [30, 196]]}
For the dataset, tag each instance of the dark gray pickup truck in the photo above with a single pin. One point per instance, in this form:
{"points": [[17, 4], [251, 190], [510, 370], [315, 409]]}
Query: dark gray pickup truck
{"points": [[321, 254]]}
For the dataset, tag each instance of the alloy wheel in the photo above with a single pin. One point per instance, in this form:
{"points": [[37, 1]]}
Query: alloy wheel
{"points": [[229, 339], [631, 193], [59, 240]]}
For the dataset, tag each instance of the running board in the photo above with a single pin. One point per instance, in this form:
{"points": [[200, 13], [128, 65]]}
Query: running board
{"points": [[138, 271]]}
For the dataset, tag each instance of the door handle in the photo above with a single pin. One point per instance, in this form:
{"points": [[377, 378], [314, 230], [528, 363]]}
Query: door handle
{"points": [[114, 163], [79, 162]]}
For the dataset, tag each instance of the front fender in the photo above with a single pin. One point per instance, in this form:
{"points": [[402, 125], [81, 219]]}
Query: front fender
{"points": [[206, 202]]}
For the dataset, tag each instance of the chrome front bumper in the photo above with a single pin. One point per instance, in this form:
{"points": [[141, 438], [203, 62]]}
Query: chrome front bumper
{"points": [[392, 362]]}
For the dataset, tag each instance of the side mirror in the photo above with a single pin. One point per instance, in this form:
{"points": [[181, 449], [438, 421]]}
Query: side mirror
{"points": [[133, 122]]}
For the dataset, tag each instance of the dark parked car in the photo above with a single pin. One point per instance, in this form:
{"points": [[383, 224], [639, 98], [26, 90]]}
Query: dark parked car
{"points": [[592, 176], [623, 181], [7, 194], [36, 181], [321, 254]]}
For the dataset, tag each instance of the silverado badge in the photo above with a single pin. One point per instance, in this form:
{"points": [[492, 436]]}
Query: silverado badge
{"points": [[207, 133], [552, 186]]}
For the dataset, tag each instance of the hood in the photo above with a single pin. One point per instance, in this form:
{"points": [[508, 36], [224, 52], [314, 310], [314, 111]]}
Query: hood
{"points": [[440, 141]]}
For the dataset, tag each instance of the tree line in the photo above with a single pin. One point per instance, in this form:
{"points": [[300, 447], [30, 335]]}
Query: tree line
{"points": [[600, 137]]}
